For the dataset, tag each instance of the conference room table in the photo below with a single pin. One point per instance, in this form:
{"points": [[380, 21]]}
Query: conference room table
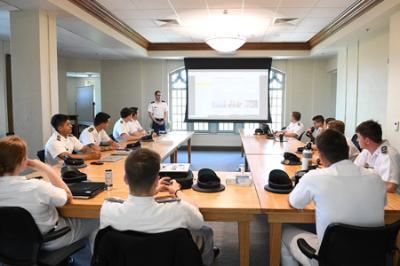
{"points": [[234, 204], [276, 206]]}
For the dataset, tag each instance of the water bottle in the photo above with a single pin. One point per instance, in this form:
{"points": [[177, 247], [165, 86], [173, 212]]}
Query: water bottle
{"points": [[108, 179], [306, 160]]}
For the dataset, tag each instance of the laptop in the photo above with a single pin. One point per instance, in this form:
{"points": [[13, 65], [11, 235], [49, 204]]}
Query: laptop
{"points": [[86, 190]]}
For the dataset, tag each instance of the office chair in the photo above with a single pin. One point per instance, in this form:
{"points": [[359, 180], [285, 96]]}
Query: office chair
{"points": [[347, 245], [21, 240], [354, 139], [125, 248], [40, 154], [301, 136]]}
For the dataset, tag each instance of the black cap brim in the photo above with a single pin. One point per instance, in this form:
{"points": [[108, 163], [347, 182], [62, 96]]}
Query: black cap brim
{"points": [[195, 187], [288, 162], [278, 191]]}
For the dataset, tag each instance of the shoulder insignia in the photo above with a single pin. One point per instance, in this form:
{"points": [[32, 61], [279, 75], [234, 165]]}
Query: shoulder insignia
{"points": [[58, 137], [163, 101], [384, 149], [298, 124], [121, 121], [91, 129], [152, 102], [70, 135], [366, 165]]}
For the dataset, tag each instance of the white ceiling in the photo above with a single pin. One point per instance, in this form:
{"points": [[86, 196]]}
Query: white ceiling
{"points": [[200, 19]]}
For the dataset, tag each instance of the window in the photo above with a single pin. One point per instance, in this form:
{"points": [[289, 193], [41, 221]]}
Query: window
{"points": [[178, 91], [177, 84], [225, 127], [251, 126], [276, 93]]}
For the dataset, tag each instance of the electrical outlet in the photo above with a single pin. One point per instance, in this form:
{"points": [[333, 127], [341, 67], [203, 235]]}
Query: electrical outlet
{"points": [[396, 126]]}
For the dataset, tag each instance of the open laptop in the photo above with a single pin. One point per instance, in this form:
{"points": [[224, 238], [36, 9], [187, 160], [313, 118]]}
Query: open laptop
{"points": [[86, 190]]}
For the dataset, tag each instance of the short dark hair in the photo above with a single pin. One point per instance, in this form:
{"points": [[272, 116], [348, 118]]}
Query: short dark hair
{"points": [[125, 112], [333, 145], [157, 91], [318, 118], [296, 115], [58, 120], [141, 169], [101, 118], [329, 119], [134, 110], [337, 125], [370, 129]]}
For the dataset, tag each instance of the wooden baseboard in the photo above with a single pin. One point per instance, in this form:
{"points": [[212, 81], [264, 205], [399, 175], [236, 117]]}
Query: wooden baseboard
{"points": [[212, 148]]}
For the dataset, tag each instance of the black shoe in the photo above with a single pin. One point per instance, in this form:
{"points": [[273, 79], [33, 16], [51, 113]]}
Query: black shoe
{"points": [[217, 251]]}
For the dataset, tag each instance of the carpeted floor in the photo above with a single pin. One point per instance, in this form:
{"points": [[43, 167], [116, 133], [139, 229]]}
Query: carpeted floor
{"points": [[226, 234]]}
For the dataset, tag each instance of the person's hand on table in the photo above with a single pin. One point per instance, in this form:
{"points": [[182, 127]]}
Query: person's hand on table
{"points": [[174, 187], [163, 184]]}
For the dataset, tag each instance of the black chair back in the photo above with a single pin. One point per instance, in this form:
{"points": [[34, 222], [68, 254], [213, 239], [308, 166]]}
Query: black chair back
{"points": [[346, 245], [125, 248], [301, 136], [20, 238], [40, 154], [354, 139]]}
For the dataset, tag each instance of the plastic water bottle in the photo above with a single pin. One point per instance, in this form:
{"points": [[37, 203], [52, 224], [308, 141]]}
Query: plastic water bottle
{"points": [[108, 179], [306, 160]]}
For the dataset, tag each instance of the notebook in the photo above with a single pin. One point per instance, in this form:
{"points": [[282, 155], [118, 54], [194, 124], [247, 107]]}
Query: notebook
{"points": [[86, 190], [111, 158]]}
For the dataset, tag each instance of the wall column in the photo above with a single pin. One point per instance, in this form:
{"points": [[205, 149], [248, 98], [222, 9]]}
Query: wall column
{"points": [[34, 75]]}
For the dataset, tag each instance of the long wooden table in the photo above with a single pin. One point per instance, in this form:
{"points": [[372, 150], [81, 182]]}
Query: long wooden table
{"points": [[234, 204], [276, 206]]}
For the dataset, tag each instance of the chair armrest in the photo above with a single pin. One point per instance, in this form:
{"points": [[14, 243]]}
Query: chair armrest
{"points": [[306, 249], [56, 234]]}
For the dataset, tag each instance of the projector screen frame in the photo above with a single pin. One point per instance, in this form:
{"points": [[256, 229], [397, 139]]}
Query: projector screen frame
{"points": [[227, 64]]}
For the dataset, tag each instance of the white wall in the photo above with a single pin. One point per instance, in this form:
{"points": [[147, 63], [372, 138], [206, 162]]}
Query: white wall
{"points": [[66, 94], [132, 83], [362, 81], [4, 49], [393, 90]]}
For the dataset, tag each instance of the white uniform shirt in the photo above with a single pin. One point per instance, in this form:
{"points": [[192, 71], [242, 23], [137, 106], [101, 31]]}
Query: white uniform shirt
{"points": [[120, 127], [295, 127], [144, 214], [317, 132], [353, 150], [158, 109], [38, 197], [134, 126], [57, 144], [91, 136], [385, 161], [342, 193]]}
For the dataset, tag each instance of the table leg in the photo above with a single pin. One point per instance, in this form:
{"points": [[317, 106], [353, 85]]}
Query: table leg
{"points": [[246, 164], [241, 150], [244, 243], [275, 235], [174, 157], [189, 150]]}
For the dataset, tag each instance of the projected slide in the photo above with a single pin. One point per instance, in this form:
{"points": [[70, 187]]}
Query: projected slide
{"points": [[228, 94]]}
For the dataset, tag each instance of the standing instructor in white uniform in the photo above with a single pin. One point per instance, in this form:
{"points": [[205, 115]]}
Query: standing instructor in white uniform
{"points": [[158, 113]]}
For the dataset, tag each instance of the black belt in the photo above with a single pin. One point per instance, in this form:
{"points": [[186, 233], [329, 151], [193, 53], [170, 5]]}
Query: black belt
{"points": [[159, 119]]}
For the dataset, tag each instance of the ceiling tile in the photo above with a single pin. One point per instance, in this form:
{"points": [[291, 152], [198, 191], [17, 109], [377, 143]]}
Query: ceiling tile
{"points": [[117, 4], [153, 4], [141, 23], [335, 3], [224, 3], [190, 4], [298, 3], [260, 12], [310, 22], [261, 4], [293, 12], [330, 12]]}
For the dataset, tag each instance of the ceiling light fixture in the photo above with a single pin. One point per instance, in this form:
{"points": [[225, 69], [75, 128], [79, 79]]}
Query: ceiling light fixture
{"points": [[226, 44]]}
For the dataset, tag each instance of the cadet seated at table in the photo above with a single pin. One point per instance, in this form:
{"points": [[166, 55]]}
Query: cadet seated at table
{"points": [[342, 193]]}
